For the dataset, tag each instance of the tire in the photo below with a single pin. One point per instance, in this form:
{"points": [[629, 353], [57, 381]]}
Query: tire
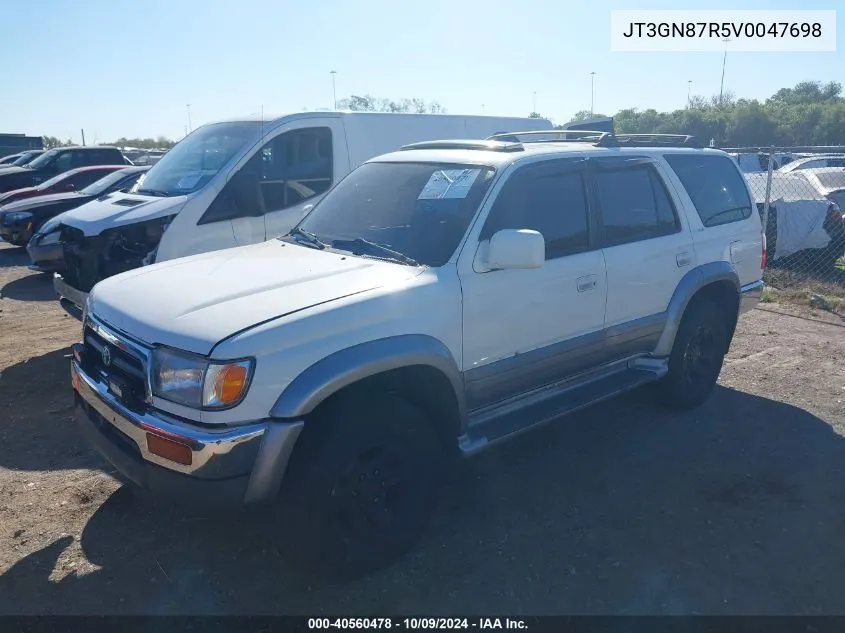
{"points": [[363, 482], [696, 358]]}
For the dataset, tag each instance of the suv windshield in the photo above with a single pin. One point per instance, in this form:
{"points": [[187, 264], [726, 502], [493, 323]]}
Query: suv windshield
{"points": [[45, 159], [197, 159], [405, 212]]}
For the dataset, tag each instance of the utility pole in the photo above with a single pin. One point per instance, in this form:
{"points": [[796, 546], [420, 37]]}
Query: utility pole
{"points": [[592, 91], [724, 59], [190, 127], [689, 87], [83, 136], [334, 90]]}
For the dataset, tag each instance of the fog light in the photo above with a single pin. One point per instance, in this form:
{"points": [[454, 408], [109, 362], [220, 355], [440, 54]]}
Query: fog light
{"points": [[168, 449]]}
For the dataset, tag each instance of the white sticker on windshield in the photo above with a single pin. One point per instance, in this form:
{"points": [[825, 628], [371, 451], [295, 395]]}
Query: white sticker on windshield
{"points": [[449, 183], [189, 181]]}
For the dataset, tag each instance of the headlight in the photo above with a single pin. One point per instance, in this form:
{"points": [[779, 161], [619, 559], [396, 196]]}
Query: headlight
{"points": [[197, 382], [49, 225], [18, 216], [51, 238]]}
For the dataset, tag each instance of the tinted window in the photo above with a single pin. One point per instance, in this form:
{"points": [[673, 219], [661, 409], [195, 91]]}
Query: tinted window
{"points": [[64, 162], [836, 162], [716, 188], [295, 166], [547, 199], [634, 204]]}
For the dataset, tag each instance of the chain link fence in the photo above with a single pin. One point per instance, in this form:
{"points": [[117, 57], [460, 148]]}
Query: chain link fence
{"points": [[801, 202]]}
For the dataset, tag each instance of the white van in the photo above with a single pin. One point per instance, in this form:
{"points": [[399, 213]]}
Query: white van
{"points": [[238, 182]]}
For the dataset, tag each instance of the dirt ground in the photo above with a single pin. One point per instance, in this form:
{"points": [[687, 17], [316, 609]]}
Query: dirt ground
{"points": [[625, 509]]}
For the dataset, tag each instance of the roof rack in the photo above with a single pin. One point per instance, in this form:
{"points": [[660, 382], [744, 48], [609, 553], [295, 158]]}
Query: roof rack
{"points": [[657, 140], [605, 139], [485, 145], [563, 135]]}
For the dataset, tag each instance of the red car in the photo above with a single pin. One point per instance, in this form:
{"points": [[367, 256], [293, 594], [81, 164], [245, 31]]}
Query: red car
{"points": [[72, 180]]}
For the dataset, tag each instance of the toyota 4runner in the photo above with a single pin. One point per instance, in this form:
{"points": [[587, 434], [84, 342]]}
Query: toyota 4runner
{"points": [[439, 299]]}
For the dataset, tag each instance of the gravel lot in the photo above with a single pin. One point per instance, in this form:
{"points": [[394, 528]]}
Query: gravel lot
{"points": [[625, 509]]}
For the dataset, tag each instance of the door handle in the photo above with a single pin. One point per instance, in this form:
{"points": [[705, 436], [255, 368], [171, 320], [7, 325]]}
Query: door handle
{"points": [[587, 282], [683, 259]]}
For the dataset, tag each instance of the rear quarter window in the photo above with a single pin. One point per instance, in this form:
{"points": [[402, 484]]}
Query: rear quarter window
{"points": [[714, 185]]}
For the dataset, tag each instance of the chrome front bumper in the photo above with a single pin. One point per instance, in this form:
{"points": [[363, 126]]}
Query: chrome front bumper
{"points": [[243, 464], [750, 296]]}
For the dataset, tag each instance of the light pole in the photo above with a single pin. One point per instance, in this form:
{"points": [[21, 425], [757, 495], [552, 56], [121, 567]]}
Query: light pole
{"points": [[592, 91], [190, 127], [724, 59], [689, 87], [334, 91], [534, 96]]}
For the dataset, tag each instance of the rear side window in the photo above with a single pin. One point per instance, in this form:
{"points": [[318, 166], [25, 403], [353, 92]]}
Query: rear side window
{"points": [[634, 205], [714, 185]]}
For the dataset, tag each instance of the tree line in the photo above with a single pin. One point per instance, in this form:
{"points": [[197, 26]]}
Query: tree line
{"points": [[160, 142], [811, 113]]}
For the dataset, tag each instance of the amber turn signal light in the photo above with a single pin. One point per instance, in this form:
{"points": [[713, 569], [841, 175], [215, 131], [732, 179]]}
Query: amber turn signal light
{"points": [[168, 449]]}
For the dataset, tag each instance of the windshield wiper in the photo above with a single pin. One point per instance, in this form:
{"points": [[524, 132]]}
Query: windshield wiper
{"points": [[306, 238], [378, 250], [153, 192]]}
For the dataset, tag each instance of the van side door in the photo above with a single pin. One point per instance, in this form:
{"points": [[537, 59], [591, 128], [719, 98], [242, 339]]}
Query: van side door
{"points": [[300, 164]]}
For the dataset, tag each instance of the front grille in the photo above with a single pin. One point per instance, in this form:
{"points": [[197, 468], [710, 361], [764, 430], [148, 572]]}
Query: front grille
{"points": [[81, 257], [126, 367]]}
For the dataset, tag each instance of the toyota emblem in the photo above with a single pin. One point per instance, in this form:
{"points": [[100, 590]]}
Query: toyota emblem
{"points": [[106, 355]]}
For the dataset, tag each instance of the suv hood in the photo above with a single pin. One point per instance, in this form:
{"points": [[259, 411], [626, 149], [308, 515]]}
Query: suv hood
{"points": [[120, 209], [195, 302]]}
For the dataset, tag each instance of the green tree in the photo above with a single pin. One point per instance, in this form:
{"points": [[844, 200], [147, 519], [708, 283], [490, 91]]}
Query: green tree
{"points": [[50, 142]]}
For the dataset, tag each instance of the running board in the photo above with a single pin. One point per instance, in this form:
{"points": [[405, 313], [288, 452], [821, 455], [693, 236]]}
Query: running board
{"points": [[516, 415]]}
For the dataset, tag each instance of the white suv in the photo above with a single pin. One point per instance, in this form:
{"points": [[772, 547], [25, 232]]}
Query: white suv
{"points": [[440, 298]]}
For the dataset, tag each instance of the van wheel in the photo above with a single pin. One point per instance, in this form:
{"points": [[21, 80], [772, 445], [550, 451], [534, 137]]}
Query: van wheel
{"points": [[696, 358], [363, 482]]}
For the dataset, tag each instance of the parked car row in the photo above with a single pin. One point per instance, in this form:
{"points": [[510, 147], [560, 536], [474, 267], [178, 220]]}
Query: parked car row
{"points": [[20, 159], [57, 161], [804, 215], [753, 162], [439, 298]]}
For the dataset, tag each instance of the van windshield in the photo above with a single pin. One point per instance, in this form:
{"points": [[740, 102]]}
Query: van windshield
{"points": [[197, 158], [412, 213]]}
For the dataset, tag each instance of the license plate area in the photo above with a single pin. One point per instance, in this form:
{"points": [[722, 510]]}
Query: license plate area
{"points": [[118, 388]]}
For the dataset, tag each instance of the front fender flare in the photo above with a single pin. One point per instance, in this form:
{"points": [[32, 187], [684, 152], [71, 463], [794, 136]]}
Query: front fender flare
{"points": [[344, 367]]}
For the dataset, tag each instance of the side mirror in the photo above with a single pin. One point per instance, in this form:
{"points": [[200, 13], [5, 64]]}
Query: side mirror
{"points": [[306, 210], [512, 249]]}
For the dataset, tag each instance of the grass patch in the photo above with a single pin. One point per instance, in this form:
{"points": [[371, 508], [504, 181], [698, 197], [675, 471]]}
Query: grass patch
{"points": [[788, 286]]}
